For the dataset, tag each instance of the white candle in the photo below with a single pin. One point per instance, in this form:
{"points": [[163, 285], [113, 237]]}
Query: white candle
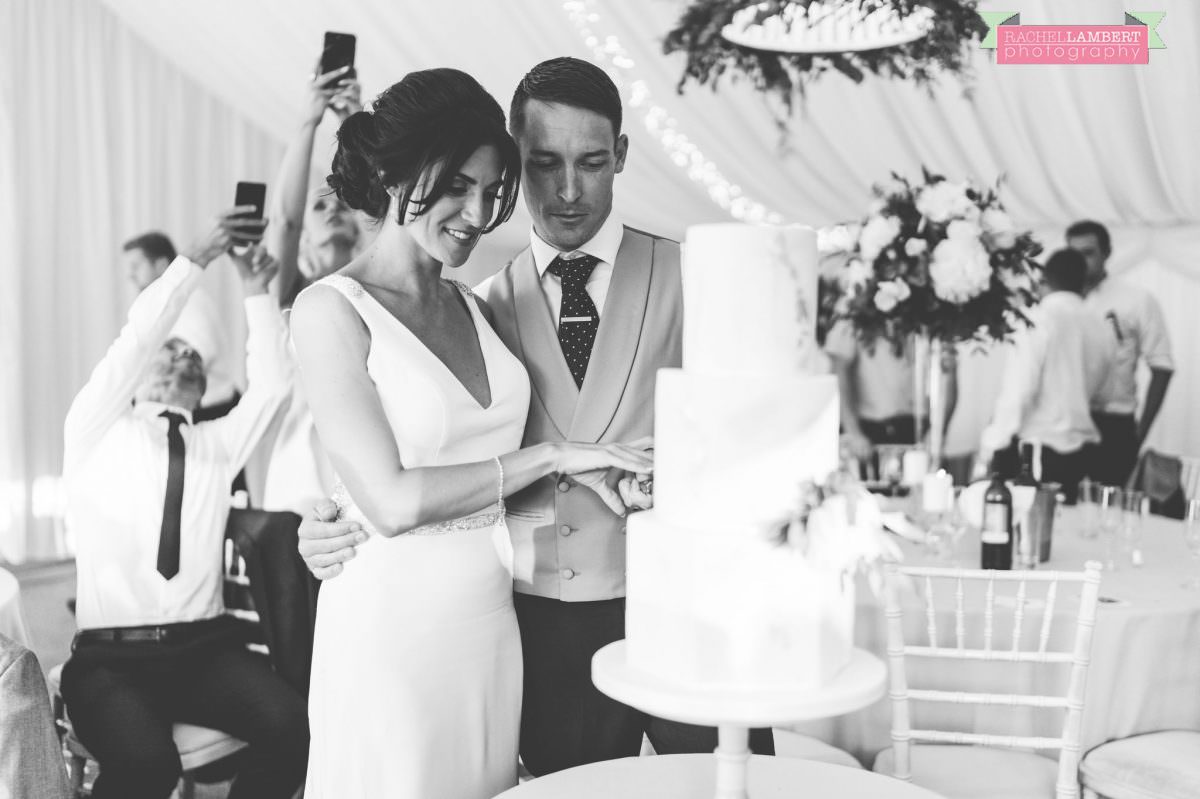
{"points": [[914, 467], [937, 492]]}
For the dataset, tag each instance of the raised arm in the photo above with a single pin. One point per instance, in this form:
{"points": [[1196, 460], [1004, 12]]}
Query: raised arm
{"points": [[110, 389], [268, 362], [332, 345], [290, 192]]}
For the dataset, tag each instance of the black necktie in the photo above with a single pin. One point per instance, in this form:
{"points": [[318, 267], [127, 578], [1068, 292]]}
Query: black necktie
{"points": [[168, 536], [577, 316]]}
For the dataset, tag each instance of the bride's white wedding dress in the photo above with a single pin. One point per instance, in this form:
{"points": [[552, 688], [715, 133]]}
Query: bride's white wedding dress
{"points": [[416, 674]]}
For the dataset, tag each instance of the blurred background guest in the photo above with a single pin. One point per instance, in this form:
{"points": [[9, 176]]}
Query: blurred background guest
{"points": [[147, 493], [312, 233], [1135, 321], [31, 762], [1053, 373], [877, 390]]}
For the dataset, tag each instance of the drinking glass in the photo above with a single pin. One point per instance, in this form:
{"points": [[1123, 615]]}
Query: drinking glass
{"points": [[1089, 509], [1136, 507], [891, 463], [1191, 536], [1111, 521]]}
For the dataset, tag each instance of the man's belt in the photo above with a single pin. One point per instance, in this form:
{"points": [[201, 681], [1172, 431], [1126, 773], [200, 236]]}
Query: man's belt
{"points": [[158, 634]]}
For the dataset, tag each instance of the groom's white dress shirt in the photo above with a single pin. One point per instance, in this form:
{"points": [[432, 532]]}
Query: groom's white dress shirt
{"points": [[1054, 370], [116, 459]]}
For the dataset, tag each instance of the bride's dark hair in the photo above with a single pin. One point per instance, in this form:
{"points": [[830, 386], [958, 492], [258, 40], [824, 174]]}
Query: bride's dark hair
{"points": [[431, 117]]}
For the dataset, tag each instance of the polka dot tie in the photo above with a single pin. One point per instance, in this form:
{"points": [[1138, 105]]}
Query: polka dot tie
{"points": [[577, 316]]}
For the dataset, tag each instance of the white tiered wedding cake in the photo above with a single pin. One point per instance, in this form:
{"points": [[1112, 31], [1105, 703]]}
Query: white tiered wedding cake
{"points": [[718, 595]]}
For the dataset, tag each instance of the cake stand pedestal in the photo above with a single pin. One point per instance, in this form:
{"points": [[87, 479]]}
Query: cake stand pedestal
{"points": [[734, 712]]}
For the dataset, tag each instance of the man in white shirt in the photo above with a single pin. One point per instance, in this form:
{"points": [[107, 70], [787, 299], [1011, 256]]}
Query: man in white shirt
{"points": [[148, 498], [1133, 318], [1055, 369], [146, 258], [877, 389]]}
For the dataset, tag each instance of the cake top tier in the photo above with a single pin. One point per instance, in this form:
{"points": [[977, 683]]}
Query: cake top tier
{"points": [[750, 299]]}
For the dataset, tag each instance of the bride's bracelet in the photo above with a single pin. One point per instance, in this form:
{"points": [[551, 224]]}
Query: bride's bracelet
{"points": [[499, 484]]}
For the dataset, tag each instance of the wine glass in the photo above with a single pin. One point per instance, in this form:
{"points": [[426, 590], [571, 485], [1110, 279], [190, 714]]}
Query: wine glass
{"points": [[1191, 536], [1089, 509], [1135, 506], [1111, 521]]}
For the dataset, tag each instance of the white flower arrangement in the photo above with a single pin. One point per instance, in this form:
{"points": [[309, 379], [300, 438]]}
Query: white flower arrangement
{"points": [[940, 259]]}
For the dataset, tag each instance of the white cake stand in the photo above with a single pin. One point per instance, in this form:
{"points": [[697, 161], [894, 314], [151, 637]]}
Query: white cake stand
{"points": [[734, 712]]}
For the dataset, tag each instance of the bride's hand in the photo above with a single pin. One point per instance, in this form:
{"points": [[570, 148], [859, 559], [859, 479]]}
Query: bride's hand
{"points": [[574, 458]]}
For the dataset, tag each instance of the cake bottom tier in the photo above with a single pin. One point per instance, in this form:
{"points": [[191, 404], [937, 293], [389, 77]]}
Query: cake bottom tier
{"points": [[729, 609]]}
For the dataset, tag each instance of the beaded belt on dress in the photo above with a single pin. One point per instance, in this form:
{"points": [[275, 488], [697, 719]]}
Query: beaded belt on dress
{"points": [[347, 509]]}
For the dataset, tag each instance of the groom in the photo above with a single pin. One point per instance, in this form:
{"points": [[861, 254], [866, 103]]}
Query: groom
{"points": [[593, 309]]}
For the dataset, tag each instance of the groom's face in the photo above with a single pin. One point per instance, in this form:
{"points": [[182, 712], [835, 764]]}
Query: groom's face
{"points": [[569, 157]]}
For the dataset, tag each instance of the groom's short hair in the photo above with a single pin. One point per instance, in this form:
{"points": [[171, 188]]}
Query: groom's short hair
{"points": [[570, 81]]}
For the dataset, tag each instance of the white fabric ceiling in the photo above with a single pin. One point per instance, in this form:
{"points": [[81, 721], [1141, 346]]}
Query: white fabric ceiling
{"points": [[1114, 143]]}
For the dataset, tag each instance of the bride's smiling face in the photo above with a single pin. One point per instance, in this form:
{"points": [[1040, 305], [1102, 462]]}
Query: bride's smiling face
{"points": [[451, 228]]}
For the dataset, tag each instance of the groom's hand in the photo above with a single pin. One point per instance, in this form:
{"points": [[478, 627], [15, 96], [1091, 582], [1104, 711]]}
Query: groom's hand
{"points": [[604, 482], [326, 544], [634, 492]]}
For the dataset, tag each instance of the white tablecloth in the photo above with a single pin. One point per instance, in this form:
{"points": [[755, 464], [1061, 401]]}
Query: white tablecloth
{"points": [[692, 777], [1145, 668], [12, 624]]}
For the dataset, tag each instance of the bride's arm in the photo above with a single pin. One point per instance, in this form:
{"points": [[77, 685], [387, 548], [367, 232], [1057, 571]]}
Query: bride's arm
{"points": [[331, 346]]}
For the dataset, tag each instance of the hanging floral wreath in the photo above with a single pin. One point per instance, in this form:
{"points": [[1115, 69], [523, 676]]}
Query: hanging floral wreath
{"points": [[956, 25]]}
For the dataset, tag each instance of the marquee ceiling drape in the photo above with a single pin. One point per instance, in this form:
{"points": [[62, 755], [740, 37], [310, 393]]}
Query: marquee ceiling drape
{"points": [[124, 114], [1113, 143]]}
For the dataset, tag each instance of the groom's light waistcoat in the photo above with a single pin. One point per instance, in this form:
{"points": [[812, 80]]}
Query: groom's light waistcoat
{"points": [[568, 545]]}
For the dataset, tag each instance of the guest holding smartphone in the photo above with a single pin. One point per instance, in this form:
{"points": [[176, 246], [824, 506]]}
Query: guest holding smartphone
{"points": [[312, 233]]}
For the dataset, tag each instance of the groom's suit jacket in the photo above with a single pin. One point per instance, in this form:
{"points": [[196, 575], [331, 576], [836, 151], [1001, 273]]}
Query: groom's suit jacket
{"points": [[568, 545]]}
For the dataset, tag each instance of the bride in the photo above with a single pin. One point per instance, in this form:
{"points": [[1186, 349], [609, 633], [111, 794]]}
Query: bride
{"points": [[416, 676]]}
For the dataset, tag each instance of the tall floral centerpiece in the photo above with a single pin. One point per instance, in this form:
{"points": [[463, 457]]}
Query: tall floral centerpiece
{"points": [[936, 263]]}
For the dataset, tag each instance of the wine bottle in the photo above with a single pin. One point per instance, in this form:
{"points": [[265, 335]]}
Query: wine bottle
{"points": [[997, 525], [1024, 494]]}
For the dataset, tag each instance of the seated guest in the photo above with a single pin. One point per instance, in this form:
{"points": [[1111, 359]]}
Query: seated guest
{"points": [[31, 761], [1055, 369], [147, 498], [146, 257], [1135, 321], [877, 391]]}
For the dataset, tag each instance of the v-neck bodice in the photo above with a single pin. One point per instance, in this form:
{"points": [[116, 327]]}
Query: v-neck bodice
{"points": [[436, 420]]}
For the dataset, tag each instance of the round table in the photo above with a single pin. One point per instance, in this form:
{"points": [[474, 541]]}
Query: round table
{"points": [[694, 777], [734, 712], [1145, 665], [12, 624]]}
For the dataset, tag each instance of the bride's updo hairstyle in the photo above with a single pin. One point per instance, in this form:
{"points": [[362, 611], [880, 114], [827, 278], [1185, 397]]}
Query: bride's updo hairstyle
{"points": [[431, 118]]}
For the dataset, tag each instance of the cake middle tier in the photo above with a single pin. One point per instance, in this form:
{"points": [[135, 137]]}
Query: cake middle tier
{"points": [[733, 450]]}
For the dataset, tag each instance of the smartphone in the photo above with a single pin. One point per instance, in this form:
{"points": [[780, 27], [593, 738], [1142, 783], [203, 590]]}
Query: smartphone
{"points": [[337, 53], [250, 194]]}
